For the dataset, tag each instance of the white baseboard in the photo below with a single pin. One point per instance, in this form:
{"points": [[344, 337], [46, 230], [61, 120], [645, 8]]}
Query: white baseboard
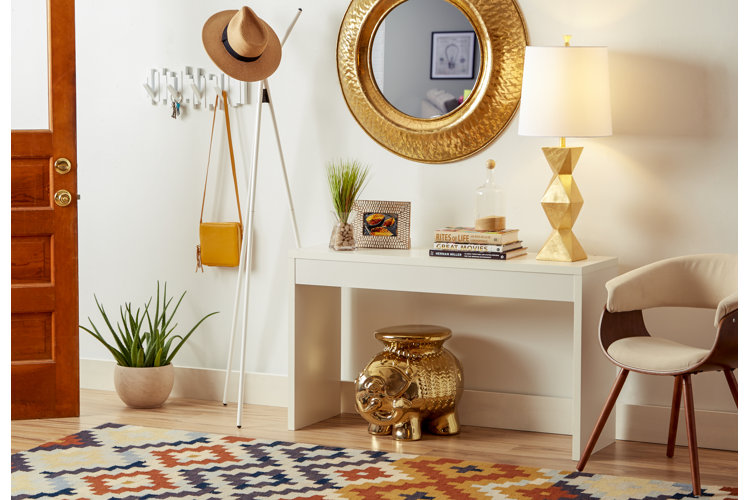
{"points": [[716, 429], [650, 424], [198, 383]]}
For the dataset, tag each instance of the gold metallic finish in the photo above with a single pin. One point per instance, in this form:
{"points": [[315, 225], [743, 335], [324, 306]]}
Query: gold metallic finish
{"points": [[562, 202], [502, 38], [62, 166], [63, 198], [414, 380]]}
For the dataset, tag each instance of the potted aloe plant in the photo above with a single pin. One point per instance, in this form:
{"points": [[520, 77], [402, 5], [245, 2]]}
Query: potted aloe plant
{"points": [[144, 374], [345, 181]]}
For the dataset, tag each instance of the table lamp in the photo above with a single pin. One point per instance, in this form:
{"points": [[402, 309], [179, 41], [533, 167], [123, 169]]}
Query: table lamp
{"points": [[565, 93]]}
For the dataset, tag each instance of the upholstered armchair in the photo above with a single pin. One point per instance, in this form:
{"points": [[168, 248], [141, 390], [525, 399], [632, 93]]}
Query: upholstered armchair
{"points": [[703, 281]]}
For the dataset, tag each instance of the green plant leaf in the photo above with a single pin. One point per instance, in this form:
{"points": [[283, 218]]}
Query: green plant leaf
{"points": [[104, 315], [156, 314], [187, 336], [345, 181], [115, 353], [175, 308]]}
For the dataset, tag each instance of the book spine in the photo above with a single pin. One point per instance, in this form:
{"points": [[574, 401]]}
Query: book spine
{"points": [[474, 237], [475, 247], [468, 255]]}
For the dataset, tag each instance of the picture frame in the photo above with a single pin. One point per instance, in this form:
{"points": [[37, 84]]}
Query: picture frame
{"points": [[382, 224], [452, 55]]}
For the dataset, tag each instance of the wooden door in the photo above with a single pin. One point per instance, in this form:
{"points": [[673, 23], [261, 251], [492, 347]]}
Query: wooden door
{"points": [[44, 242]]}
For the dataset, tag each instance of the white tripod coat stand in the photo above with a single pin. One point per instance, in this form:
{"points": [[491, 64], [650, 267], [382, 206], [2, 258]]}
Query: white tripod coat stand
{"points": [[243, 273]]}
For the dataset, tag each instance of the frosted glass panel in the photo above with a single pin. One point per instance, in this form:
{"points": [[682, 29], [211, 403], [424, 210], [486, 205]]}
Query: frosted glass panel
{"points": [[28, 65]]}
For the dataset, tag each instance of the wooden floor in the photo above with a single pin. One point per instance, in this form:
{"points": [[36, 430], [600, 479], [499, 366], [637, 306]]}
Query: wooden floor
{"points": [[624, 458]]}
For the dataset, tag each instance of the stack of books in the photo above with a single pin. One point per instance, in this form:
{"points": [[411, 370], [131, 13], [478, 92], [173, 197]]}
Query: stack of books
{"points": [[468, 243]]}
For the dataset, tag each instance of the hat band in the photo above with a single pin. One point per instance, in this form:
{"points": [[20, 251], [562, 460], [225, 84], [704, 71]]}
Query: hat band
{"points": [[231, 51]]}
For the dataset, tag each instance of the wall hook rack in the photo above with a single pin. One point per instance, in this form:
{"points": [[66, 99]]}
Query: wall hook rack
{"points": [[152, 85], [173, 93], [194, 87]]}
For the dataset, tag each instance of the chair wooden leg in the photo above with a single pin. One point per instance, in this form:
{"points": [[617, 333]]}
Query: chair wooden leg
{"points": [[687, 386], [608, 405], [732, 384], [675, 415]]}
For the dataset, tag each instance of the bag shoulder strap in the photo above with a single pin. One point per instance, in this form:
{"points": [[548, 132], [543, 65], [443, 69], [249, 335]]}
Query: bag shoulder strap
{"points": [[231, 156]]}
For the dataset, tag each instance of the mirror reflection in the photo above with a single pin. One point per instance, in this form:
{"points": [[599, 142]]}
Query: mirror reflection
{"points": [[425, 58]]}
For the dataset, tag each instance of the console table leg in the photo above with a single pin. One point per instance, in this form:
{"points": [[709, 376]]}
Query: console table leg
{"points": [[314, 354], [591, 369]]}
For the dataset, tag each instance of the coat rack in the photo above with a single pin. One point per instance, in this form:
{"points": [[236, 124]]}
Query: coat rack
{"points": [[242, 290]]}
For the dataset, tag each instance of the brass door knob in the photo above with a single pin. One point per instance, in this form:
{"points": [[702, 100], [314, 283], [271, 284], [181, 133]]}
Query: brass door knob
{"points": [[63, 198], [62, 165]]}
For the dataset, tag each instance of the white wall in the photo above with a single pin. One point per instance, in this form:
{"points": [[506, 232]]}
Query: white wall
{"points": [[664, 184]]}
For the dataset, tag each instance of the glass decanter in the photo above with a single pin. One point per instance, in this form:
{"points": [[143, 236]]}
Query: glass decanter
{"points": [[489, 213]]}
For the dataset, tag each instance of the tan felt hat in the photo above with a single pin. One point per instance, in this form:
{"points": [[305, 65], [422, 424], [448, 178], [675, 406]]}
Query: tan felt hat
{"points": [[242, 45]]}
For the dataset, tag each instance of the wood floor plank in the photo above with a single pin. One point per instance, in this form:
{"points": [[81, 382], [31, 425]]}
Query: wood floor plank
{"points": [[533, 449]]}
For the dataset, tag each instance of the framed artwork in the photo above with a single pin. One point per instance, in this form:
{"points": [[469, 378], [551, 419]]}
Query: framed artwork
{"points": [[452, 55], [382, 224]]}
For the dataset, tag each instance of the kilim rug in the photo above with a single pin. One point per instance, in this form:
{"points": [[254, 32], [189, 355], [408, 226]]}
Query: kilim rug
{"points": [[124, 461]]}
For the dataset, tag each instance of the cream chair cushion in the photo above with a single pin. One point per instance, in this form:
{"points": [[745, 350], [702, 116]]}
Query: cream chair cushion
{"points": [[705, 280], [655, 354]]}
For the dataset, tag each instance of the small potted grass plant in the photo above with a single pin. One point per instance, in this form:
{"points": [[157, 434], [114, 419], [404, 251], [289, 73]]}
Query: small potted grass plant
{"points": [[144, 374], [346, 178]]}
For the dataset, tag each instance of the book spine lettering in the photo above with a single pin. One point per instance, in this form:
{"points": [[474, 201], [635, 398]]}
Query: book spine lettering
{"points": [[468, 255], [449, 237], [472, 237], [476, 247]]}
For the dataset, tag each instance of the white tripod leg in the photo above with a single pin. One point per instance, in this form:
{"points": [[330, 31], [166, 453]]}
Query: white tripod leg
{"points": [[283, 165], [242, 272], [248, 237]]}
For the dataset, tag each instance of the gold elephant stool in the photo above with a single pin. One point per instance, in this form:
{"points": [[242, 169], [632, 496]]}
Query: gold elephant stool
{"points": [[414, 380]]}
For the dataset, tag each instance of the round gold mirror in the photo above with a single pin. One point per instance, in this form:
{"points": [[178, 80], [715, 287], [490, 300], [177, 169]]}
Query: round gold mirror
{"points": [[486, 66]]}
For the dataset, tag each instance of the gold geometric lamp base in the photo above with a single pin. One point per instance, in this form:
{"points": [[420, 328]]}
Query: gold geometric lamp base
{"points": [[562, 202]]}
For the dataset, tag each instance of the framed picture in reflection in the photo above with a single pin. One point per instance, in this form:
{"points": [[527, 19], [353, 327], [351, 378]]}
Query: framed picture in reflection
{"points": [[452, 55]]}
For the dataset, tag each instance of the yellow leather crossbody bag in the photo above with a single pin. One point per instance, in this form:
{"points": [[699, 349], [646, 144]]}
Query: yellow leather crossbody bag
{"points": [[220, 242]]}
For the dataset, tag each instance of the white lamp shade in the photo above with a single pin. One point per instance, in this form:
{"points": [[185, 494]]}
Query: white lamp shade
{"points": [[565, 92]]}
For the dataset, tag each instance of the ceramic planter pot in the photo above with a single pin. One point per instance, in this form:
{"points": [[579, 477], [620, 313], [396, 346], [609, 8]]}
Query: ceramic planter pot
{"points": [[146, 387]]}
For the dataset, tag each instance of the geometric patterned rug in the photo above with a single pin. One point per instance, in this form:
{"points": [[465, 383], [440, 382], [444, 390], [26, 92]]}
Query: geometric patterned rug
{"points": [[131, 462]]}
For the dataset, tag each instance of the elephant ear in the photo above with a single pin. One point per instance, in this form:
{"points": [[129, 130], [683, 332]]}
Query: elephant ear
{"points": [[412, 392], [396, 381]]}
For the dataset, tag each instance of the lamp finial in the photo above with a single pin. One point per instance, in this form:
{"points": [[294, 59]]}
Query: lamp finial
{"points": [[566, 39]]}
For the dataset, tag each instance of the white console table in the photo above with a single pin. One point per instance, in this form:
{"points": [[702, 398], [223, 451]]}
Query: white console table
{"points": [[318, 274]]}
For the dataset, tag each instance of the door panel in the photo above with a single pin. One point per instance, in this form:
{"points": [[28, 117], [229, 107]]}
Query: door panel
{"points": [[32, 339], [44, 241], [31, 259], [30, 183]]}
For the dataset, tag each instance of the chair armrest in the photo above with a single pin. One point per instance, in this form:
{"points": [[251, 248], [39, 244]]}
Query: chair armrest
{"points": [[727, 305], [619, 325], [724, 351]]}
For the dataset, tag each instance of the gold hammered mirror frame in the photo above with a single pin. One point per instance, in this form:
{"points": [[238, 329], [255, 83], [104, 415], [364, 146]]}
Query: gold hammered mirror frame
{"points": [[502, 38]]}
